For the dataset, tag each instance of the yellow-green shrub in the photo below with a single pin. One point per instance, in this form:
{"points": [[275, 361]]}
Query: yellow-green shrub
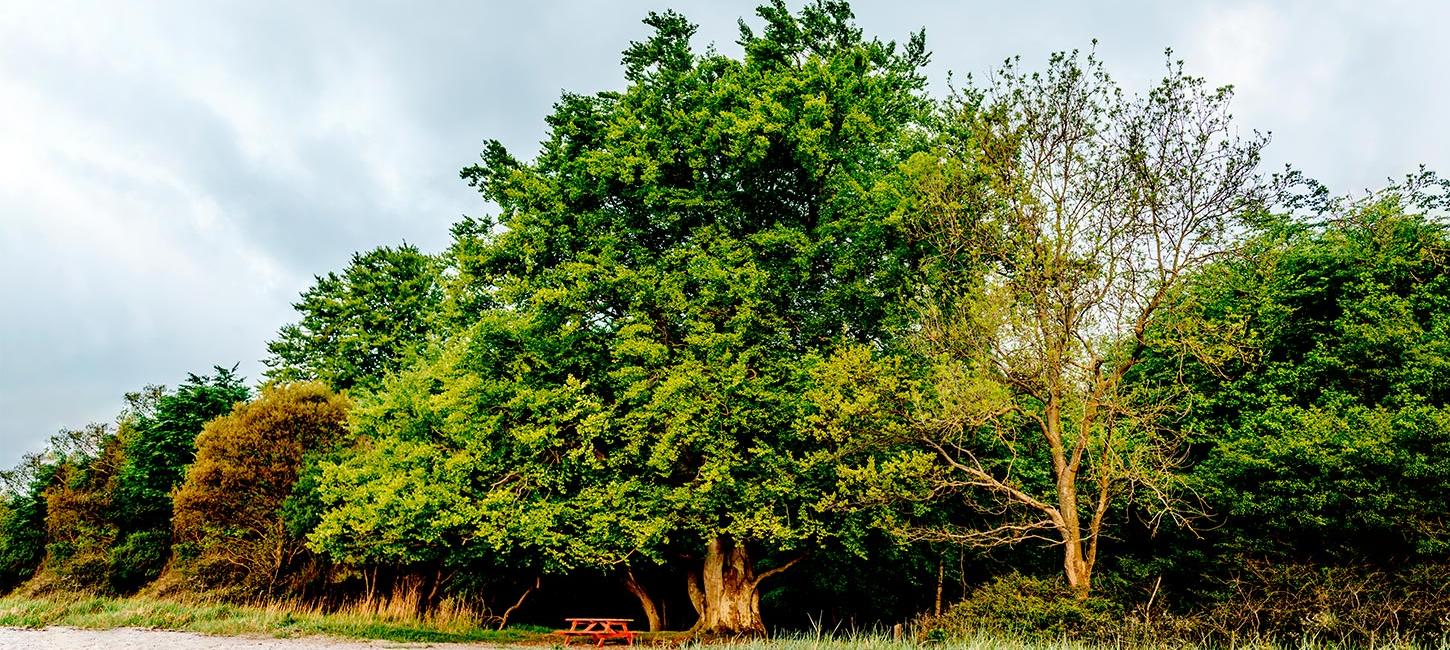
{"points": [[227, 525]]}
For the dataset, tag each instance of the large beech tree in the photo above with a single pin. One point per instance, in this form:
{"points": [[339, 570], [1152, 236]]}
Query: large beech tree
{"points": [[660, 287]]}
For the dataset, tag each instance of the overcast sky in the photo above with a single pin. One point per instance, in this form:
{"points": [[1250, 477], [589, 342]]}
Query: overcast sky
{"points": [[172, 174]]}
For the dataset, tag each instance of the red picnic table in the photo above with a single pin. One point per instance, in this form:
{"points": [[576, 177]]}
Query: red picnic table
{"points": [[599, 629]]}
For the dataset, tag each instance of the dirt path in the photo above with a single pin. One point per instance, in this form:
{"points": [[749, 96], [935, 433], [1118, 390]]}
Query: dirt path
{"points": [[64, 638]]}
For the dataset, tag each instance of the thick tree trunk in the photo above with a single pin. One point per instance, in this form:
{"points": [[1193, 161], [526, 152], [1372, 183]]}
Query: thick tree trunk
{"points": [[725, 592], [732, 594], [651, 611], [431, 583]]}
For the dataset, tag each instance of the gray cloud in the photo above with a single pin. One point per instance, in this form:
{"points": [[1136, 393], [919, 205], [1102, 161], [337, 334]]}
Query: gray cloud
{"points": [[173, 173]]}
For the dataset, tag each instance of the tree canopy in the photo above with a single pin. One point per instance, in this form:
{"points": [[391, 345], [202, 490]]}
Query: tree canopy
{"points": [[670, 270], [1328, 441], [361, 324]]}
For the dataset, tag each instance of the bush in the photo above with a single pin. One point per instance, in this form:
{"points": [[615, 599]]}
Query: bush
{"points": [[1017, 605], [1278, 603], [1354, 604], [231, 513], [138, 559]]}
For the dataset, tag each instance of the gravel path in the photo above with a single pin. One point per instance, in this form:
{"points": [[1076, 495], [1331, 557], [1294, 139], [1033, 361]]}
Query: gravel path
{"points": [[65, 638]]}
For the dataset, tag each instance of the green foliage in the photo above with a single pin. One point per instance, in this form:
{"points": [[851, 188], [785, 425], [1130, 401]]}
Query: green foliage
{"points": [[1021, 606], [362, 324], [749, 314], [138, 559], [22, 520], [670, 269], [1330, 439], [156, 457], [396, 502], [302, 510], [1338, 481]]}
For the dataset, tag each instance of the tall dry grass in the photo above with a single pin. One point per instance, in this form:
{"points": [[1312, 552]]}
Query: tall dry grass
{"points": [[392, 617]]}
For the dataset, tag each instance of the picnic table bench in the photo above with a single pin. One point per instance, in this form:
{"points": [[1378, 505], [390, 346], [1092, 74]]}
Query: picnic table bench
{"points": [[599, 629]]}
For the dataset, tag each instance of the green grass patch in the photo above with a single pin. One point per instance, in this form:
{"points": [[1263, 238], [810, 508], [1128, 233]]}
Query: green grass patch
{"points": [[1004, 641], [879, 641], [280, 620], [359, 622]]}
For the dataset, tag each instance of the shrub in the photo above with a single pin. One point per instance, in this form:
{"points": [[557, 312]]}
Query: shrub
{"points": [[1017, 605], [1354, 604], [230, 509], [1275, 603], [138, 559]]}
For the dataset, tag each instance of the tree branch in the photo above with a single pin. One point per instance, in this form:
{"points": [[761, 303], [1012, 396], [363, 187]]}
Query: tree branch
{"points": [[778, 570]]}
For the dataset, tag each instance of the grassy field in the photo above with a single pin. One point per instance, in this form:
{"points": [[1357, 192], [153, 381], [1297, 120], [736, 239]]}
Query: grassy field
{"points": [[385, 623], [393, 623], [284, 620]]}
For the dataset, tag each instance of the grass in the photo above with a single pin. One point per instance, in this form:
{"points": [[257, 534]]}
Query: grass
{"points": [[388, 620], [384, 622], [280, 619], [996, 642], [883, 642]]}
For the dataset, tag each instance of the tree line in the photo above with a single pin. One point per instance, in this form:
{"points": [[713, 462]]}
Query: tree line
{"points": [[785, 334]]}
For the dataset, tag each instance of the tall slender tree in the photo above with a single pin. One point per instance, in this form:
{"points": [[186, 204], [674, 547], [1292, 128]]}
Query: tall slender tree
{"points": [[1067, 215]]}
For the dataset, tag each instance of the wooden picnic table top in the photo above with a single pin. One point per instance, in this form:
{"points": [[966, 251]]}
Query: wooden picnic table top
{"points": [[612, 620]]}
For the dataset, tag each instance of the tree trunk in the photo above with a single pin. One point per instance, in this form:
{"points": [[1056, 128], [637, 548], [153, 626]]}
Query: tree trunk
{"points": [[371, 584], [697, 597], [1077, 567], [429, 595], [651, 611], [731, 591], [941, 575], [1079, 571]]}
